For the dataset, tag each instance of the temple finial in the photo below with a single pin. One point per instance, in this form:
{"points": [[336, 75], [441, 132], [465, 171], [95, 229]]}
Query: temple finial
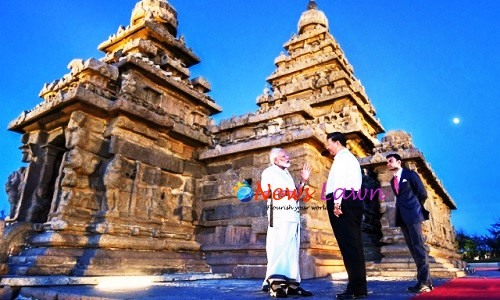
{"points": [[312, 5]]}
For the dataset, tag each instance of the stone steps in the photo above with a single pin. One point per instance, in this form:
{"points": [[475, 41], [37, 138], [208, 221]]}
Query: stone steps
{"points": [[43, 260], [238, 260], [109, 270], [41, 265], [409, 270], [110, 262], [410, 265], [435, 273], [53, 251], [100, 270], [39, 270], [73, 261]]}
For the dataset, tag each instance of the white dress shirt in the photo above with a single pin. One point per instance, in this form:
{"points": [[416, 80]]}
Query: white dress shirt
{"points": [[398, 174], [344, 174]]}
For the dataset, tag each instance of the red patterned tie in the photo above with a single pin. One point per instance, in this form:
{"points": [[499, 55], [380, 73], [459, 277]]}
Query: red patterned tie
{"points": [[396, 184]]}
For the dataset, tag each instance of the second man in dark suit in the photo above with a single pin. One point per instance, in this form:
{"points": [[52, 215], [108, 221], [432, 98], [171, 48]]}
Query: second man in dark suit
{"points": [[410, 213]]}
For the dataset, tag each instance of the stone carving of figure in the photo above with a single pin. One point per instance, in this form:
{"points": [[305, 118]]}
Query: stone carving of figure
{"points": [[277, 93], [112, 176], [333, 76], [266, 91], [27, 153], [265, 97], [128, 84], [13, 187], [264, 107], [322, 81]]}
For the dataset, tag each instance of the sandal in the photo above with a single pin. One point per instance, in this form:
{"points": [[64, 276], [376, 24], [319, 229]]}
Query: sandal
{"points": [[278, 290], [297, 290]]}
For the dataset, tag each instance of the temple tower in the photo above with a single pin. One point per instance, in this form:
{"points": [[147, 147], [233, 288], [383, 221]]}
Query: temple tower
{"points": [[312, 92], [110, 185]]}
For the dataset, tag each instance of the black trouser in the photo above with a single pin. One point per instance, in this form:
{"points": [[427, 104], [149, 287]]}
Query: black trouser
{"points": [[415, 242], [347, 231]]}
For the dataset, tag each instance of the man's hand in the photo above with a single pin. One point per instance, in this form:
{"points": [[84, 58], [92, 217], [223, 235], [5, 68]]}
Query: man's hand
{"points": [[337, 211], [306, 171]]}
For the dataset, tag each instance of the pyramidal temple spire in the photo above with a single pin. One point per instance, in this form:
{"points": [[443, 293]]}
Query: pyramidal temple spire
{"points": [[311, 18]]}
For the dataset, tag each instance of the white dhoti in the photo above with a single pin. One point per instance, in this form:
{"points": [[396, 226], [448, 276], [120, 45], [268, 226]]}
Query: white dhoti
{"points": [[282, 247], [283, 238]]}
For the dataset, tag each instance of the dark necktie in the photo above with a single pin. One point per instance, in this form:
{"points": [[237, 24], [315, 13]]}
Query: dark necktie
{"points": [[396, 184]]}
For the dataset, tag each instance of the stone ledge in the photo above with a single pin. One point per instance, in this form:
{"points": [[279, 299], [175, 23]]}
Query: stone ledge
{"points": [[490, 265], [94, 280]]}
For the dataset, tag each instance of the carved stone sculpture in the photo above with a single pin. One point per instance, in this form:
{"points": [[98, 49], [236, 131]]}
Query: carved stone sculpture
{"points": [[14, 188]]}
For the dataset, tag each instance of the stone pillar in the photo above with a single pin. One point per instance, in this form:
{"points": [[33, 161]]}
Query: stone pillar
{"points": [[33, 155], [77, 188]]}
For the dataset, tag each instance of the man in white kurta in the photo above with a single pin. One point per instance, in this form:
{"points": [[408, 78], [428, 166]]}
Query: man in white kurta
{"points": [[283, 232]]}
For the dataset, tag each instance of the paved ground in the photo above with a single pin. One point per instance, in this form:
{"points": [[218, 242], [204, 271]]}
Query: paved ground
{"points": [[226, 289]]}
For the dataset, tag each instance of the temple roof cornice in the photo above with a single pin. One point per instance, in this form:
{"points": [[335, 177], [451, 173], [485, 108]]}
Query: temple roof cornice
{"points": [[164, 77], [149, 29]]}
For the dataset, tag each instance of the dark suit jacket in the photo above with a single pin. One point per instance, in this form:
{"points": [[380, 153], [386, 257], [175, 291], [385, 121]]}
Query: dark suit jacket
{"points": [[410, 199]]}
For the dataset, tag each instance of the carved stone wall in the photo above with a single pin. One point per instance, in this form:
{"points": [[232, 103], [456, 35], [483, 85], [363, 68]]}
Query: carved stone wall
{"points": [[233, 234], [127, 173], [110, 186]]}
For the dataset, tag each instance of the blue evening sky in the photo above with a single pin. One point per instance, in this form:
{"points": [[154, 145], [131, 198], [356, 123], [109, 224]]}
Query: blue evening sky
{"points": [[422, 64]]}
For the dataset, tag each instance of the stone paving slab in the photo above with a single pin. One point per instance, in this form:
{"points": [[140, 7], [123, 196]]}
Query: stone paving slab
{"points": [[241, 289], [57, 280], [229, 289]]}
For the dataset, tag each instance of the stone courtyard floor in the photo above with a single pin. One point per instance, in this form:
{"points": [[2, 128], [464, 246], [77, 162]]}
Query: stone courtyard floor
{"points": [[227, 288]]}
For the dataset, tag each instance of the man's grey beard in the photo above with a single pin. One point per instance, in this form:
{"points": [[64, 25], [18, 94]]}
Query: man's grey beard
{"points": [[286, 165]]}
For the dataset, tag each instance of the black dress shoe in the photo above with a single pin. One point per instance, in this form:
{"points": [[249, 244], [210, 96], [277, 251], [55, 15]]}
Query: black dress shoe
{"points": [[351, 295], [413, 287], [420, 288], [265, 288]]}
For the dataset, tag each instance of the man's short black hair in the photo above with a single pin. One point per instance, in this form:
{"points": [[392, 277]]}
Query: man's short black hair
{"points": [[395, 155], [337, 137]]}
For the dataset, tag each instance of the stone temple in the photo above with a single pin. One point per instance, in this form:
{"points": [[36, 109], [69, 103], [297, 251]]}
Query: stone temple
{"points": [[127, 174]]}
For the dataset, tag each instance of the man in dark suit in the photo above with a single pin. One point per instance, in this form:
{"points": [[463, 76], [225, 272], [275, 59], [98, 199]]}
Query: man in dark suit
{"points": [[410, 213]]}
